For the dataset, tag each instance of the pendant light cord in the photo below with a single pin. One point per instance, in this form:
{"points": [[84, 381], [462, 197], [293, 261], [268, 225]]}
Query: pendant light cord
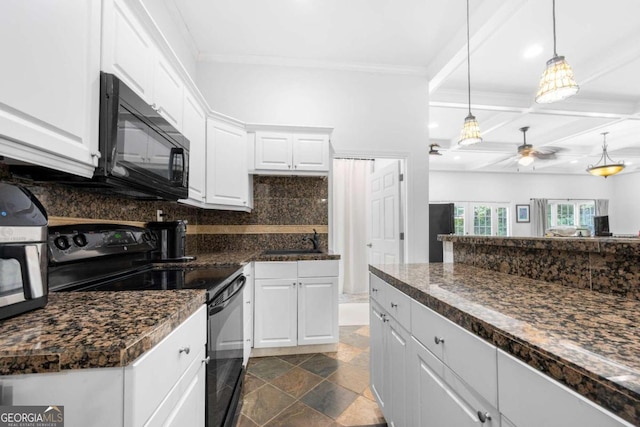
{"points": [[554, 29], [469, 61]]}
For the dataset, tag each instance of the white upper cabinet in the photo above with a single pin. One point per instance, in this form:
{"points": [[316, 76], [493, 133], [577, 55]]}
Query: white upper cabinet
{"points": [[227, 172], [311, 152], [127, 51], [194, 128], [130, 53], [293, 150], [50, 83]]}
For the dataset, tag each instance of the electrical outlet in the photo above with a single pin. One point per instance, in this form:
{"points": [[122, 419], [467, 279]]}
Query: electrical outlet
{"points": [[159, 215]]}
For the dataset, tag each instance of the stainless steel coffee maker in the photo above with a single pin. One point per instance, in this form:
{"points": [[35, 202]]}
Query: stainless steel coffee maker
{"points": [[171, 240], [23, 251]]}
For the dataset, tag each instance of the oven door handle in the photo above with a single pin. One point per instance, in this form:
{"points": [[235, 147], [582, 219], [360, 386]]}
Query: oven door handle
{"points": [[214, 309]]}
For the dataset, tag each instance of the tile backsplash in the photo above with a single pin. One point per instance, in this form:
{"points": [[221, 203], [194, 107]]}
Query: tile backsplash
{"points": [[285, 210]]}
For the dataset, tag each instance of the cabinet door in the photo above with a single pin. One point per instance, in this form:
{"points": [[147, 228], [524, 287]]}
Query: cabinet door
{"points": [[317, 310], [194, 127], [50, 83], [378, 359], [248, 313], [273, 151], [440, 399], [167, 92], [397, 343], [311, 152], [127, 51], [227, 172], [275, 313]]}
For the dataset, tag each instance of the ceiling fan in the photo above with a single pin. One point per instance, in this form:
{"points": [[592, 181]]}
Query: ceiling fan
{"points": [[528, 153]]}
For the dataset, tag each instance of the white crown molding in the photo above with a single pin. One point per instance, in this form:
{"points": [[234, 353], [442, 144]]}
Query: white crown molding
{"points": [[315, 64]]}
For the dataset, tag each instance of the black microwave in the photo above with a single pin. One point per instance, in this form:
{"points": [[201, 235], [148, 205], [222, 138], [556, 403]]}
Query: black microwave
{"points": [[142, 154]]}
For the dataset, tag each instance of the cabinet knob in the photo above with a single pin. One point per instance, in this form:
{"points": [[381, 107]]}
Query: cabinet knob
{"points": [[484, 416], [374, 290], [206, 360], [369, 245], [438, 340], [294, 284], [394, 305], [248, 302], [185, 350]]}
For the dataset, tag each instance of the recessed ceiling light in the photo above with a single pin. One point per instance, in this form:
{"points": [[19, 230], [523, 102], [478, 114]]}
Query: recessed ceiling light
{"points": [[433, 125], [532, 51], [628, 163], [573, 161], [456, 158]]}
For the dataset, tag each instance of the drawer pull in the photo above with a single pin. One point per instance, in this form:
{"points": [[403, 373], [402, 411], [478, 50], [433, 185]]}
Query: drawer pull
{"points": [[206, 360], [185, 350], [484, 416], [384, 318], [394, 305], [438, 340]]}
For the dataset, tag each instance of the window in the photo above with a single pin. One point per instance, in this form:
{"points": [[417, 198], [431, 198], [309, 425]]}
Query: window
{"points": [[563, 213], [458, 219], [482, 219]]}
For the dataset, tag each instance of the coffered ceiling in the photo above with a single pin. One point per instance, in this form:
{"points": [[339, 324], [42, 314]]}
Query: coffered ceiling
{"points": [[510, 44]]}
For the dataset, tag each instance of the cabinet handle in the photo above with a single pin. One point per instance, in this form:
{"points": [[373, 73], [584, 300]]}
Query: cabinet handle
{"points": [[206, 360], [248, 302], [185, 350], [438, 340], [384, 317], [484, 416], [394, 305], [374, 290], [294, 284], [155, 107]]}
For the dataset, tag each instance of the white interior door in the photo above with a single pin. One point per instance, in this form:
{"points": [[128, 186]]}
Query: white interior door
{"points": [[385, 246]]}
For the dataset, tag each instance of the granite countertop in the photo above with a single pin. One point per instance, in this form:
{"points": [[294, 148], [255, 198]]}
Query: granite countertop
{"points": [[78, 330], [588, 341], [212, 259], [617, 245]]}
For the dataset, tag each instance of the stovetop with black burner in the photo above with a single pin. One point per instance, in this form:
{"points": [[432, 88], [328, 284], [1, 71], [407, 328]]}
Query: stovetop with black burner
{"points": [[108, 257]]}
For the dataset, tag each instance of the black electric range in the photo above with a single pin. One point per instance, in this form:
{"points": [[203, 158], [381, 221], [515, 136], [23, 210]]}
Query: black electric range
{"points": [[108, 257]]}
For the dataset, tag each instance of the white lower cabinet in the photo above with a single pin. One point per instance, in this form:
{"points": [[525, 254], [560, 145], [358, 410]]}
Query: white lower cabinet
{"points": [[247, 313], [296, 303], [529, 398], [440, 398], [156, 383], [390, 354]]}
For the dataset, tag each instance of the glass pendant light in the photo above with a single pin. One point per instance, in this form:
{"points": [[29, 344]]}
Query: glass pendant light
{"points": [[557, 81], [605, 169], [470, 133]]}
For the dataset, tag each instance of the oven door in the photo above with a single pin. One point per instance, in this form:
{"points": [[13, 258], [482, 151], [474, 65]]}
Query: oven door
{"points": [[225, 350], [23, 278]]}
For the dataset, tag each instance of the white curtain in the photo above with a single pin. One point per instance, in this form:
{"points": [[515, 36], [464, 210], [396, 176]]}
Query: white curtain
{"points": [[602, 207], [538, 217], [350, 207]]}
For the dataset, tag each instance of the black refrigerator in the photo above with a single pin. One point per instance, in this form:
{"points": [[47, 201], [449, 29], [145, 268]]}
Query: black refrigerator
{"points": [[440, 222]]}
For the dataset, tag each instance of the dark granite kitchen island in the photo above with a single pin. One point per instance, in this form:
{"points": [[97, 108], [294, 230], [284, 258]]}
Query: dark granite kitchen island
{"points": [[586, 340]]}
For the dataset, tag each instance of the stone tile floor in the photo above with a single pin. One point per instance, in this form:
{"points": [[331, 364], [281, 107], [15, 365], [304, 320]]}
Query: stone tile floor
{"points": [[313, 390]]}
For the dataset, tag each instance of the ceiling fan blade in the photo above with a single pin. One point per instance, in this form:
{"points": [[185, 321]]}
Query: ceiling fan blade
{"points": [[543, 156]]}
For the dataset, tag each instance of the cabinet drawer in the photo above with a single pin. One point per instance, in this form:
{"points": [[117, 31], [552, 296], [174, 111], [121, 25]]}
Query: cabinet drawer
{"points": [[398, 305], [276, 270], [377, 287], [439, 397], [470, 357], [150, 378], [529, 398], [321, 268]]}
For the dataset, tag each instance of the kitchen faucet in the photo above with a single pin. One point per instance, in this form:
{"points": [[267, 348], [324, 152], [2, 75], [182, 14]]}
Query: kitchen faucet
{"points": [[313, 240]]}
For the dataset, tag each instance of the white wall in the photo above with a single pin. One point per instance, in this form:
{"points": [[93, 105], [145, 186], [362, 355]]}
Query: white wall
{"points": [[376, 115], [625, 219], [519, 188]]}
